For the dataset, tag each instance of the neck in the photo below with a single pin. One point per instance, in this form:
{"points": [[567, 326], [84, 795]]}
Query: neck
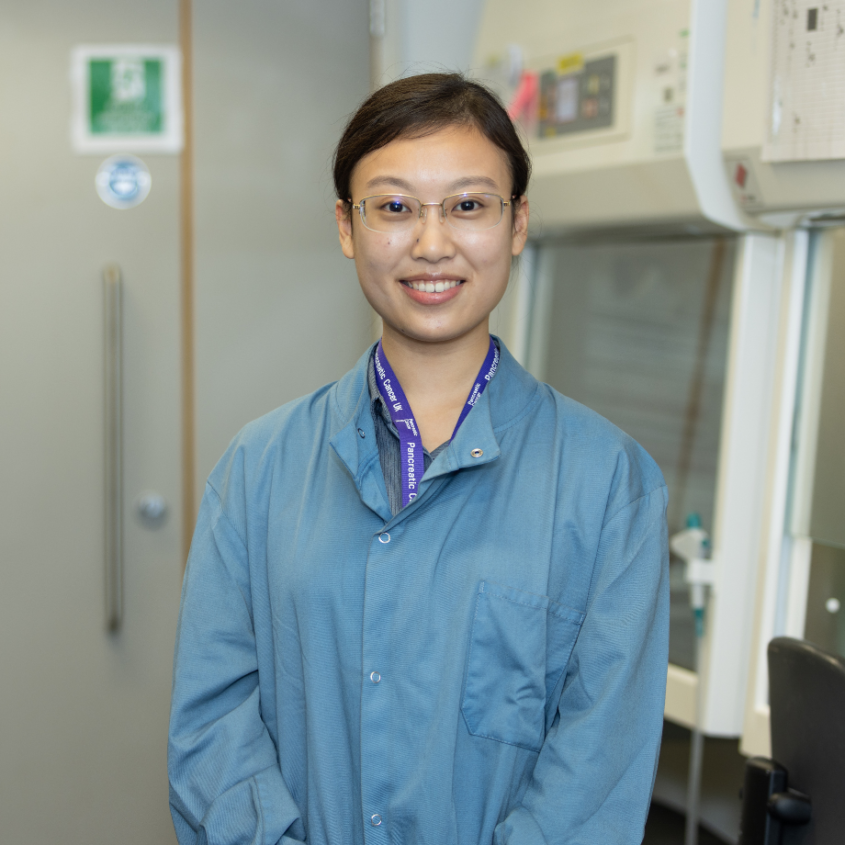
{"points": [[436, 377], [436, 368]]}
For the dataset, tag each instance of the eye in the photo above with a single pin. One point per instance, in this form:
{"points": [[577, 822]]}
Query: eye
{"points": [[468, 205], [395, 206]]}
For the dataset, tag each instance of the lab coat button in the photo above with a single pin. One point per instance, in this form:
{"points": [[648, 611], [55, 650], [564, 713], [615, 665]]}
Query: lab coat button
{"points": [[375, 820], [477, 453], [384, 538], [375, 677], [361, 432]]}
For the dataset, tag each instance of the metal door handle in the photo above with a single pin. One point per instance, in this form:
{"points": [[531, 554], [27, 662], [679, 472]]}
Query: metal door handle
{"points": [[113, 443]]}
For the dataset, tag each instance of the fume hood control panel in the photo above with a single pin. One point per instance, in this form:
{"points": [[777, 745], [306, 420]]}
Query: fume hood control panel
{"points": [[576, 95]]}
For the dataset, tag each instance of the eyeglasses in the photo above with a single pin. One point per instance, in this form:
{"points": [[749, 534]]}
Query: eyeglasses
{"points": [[397, 213]]}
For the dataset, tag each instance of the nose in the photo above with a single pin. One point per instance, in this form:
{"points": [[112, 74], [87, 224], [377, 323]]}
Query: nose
{"points": [[432, 237]]}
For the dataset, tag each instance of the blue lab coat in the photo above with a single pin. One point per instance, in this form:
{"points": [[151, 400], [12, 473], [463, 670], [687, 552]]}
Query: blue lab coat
{"points": [[487, 666]]}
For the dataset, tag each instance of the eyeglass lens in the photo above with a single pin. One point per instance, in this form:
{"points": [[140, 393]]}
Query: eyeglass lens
{"points": [[394, 212]]}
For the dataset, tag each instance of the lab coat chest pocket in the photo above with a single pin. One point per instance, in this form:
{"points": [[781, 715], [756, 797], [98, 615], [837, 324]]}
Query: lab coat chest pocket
{"points": [[519, 645]]}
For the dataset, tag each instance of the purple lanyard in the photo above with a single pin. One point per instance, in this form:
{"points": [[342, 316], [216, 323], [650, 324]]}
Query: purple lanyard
{"points": [[410, 442]]}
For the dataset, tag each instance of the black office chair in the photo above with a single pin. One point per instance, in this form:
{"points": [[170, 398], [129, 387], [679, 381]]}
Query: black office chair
{"points": [[799, 795]]}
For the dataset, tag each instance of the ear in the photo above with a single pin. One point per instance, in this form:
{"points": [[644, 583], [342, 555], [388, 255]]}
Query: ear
{"points": [[520, 226], [344, 228]]}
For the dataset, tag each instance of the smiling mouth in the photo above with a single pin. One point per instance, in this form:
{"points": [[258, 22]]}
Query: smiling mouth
{"points": [[433, 287]]}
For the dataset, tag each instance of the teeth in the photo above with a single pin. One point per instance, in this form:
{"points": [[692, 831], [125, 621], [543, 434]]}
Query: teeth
{"points": [[433, 287]]}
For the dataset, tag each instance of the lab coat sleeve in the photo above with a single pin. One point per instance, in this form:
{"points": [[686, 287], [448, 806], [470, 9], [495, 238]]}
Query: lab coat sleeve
{"points": [[226, 785], [594, 775]]}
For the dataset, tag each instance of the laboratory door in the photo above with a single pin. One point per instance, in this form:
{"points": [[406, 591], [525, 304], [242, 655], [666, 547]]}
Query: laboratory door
{"points": [[84, 708]]}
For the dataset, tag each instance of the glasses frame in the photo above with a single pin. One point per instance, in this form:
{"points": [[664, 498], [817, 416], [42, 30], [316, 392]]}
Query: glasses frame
{"points": [[444, 217]]}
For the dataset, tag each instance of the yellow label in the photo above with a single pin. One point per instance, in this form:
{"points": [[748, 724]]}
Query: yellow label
{"points": [[570, 63]]}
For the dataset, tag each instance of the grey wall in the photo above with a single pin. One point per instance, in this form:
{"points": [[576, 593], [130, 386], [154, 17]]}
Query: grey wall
{"points": [[84, 712], [419, 37], [439, 34], [278, 309]]}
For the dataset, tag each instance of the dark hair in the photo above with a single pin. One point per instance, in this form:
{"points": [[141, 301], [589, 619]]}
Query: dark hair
{"points": [[422, 105]]}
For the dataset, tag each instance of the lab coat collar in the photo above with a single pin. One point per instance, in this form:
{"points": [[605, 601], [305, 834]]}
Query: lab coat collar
{"points": [[509, 397]]}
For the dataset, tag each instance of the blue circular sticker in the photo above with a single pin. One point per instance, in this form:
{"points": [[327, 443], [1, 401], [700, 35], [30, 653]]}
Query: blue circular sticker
{"points": [[123, 181]]}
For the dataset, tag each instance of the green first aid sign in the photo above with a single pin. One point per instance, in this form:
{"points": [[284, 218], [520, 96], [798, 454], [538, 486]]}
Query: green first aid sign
{"points": [[127, 98]]}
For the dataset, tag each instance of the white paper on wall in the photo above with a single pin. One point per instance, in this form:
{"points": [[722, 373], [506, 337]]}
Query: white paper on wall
{"points": [[807, 106]]}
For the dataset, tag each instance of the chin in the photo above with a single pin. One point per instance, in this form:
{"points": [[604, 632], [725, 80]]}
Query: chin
{"points": [[435, 334]]}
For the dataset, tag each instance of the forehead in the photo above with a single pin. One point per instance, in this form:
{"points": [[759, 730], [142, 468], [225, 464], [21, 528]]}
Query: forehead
{"points": [[458, 158]]}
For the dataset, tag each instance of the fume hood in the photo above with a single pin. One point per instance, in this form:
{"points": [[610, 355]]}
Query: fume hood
{"points": [[643, 296]]}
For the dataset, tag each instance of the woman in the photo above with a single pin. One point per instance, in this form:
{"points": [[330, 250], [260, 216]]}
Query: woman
{"points": [[429, 602]]}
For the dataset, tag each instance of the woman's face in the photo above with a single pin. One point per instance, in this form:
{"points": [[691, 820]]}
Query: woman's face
{"points": [[472, 266]]}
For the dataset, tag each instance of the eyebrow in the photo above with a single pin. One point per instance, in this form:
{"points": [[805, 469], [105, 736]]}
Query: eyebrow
{"points": [[457, 186]]}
